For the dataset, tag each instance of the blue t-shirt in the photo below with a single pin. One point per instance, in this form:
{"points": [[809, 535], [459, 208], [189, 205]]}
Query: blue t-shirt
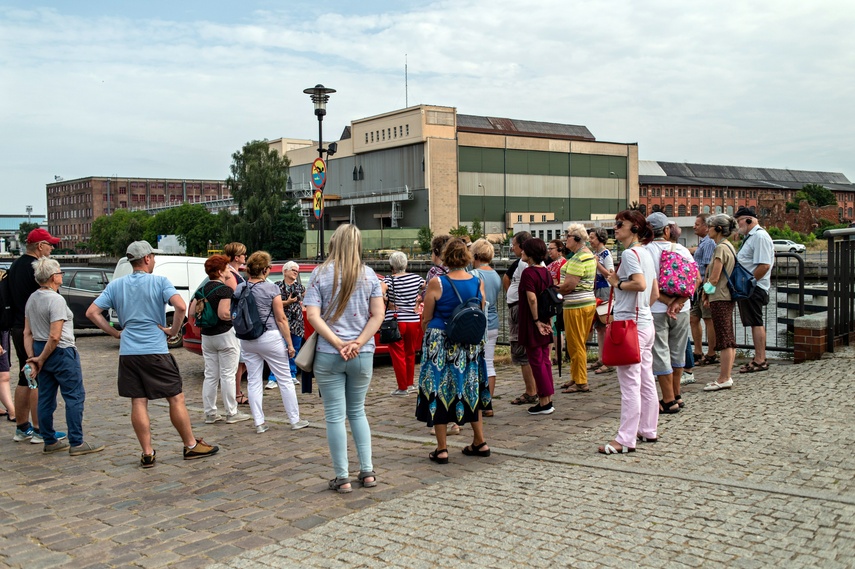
{"points": [[140, 301], [492, 288]]}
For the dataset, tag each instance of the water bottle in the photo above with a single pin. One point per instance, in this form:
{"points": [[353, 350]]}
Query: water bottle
{"points": [[31, 380]]}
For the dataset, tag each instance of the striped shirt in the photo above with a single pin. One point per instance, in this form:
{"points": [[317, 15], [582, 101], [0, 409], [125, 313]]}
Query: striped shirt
{"points": [[583, 265], [402, 293]]}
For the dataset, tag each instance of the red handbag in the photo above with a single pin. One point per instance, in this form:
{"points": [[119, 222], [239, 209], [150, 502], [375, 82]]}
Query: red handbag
{"points": [[620, 345]]}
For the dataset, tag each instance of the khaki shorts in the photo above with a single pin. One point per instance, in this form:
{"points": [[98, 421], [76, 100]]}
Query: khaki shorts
{"points": [[518, 356], [698, 310]]}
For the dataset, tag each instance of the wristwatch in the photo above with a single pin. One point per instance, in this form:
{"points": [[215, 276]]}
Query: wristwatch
{"points": [[618, 285]]}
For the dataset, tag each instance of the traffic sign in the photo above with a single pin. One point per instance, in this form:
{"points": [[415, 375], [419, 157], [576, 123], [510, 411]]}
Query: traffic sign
{"points": [[319, 173], [318, 204]]}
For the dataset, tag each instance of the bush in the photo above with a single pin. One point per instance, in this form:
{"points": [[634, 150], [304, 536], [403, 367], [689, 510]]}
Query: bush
{"points": [[787, 233]]}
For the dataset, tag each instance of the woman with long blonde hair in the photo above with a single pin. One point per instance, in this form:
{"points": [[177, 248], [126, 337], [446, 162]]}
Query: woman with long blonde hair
{"points": [[344, 304]]}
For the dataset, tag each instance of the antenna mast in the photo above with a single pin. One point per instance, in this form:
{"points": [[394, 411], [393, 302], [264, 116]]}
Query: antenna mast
{"points": [[406, 84]]}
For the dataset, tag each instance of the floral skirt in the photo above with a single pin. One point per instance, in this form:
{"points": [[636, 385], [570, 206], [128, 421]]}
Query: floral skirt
{"points": [[453, 385]]}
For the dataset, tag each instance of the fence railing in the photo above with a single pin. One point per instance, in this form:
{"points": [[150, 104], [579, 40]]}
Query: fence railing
{"points": [[841, 285]]}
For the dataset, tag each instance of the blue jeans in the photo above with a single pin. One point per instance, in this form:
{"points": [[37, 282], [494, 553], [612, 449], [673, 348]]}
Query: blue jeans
{"points": [[61, 371], [690, 355], [343, 385]]}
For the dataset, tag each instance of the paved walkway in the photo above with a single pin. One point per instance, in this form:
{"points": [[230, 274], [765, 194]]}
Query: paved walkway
{"points": [[751, 477]]}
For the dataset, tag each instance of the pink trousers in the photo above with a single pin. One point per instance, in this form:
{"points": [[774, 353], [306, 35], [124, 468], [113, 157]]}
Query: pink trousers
{"points": [[639, 406]]}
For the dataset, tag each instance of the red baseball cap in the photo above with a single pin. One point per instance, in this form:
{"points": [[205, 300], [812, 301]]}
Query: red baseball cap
{"points": [[40, 234]]}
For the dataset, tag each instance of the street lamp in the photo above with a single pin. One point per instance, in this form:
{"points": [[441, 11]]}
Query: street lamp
{"points": [[616, 189], [320, 95]]}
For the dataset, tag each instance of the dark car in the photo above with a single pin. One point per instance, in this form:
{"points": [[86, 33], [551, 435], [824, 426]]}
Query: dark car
{"points": [[80, 286]]}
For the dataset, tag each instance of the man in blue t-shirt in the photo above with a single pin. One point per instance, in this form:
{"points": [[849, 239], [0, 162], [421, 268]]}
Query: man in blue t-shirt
{"points": [[146, 368]]}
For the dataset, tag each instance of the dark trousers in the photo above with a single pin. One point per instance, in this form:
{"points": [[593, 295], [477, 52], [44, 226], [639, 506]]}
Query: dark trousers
{"points": [[61, 372]]}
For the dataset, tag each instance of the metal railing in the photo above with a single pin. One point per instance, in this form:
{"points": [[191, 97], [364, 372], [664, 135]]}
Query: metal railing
{"points": [[841, 285]]}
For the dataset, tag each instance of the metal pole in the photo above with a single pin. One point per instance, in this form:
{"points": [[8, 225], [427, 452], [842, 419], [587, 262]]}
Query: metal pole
{"points": [[321, 220]]}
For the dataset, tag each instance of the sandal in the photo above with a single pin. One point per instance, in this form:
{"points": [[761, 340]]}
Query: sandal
{"points": [[642, 439], [487, 413], [752, 367], [709, 360], [604, 369], [697, 358], [567, 384], [679, 400], [595, 365], [525, 399], [610, 449], [434, 456], [666, 407], [577, 388], [367, 474], [337, 484], [475, 450], [241, 399]]}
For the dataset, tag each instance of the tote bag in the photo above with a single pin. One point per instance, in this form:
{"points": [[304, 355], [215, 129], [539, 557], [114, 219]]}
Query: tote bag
{"points": [[306, 357], [620, 345]]}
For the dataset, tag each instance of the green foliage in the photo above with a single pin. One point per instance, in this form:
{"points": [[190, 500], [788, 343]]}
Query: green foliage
{"points": [[24, 230], [460, 231], [192, 223], [787, 233], [477, 230], [257, 183], [288, 233], [824, 225], [816, 195], [111, 234], [424, 238]]}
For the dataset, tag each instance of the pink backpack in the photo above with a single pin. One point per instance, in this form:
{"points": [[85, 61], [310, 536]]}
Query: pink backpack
{"points": [[678, 275]]}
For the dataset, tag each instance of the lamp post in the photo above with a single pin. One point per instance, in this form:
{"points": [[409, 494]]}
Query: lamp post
{"points": [[616, 189], [320, 95]]}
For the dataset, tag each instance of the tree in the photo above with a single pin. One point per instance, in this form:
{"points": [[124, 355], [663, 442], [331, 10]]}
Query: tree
{"points": [[24, 230], [257, 183], [477, 230], [816, 195], [192, 223], [424, 238], [288, 233], [460, 231], [111, 234]]}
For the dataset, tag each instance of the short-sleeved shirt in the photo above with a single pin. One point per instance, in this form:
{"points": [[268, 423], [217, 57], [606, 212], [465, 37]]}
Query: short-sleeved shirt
{"points": [[140, 301], [265, 293], [583, 265], [725, 252], [758, 249], [634, 261], [358, 311], [554, 269], [514, 273], [492, 289], [534, 279], [607, 261], [215, 291], [402, 292], [704, 254], [294, 311], [656, 248], [44, 307], [22, 283]]}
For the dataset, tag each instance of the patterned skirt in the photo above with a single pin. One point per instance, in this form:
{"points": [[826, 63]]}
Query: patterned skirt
{"points": [[453, 383]]}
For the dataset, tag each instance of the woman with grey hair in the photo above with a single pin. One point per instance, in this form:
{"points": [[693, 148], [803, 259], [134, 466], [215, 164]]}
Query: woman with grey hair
{"points": [[598, 237], [292, 301], [402, 288], [55, 363], [716, 295]]}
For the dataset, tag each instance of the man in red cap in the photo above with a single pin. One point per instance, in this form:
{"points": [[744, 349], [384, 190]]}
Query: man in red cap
{"points": [[22, 282]]}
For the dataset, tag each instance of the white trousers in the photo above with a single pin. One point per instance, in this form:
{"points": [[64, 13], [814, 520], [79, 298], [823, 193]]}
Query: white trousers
{"points": [[269, 348], [221, 353]]}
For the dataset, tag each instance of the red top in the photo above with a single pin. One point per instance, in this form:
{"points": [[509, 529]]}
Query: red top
{"points": [[536, 280]]}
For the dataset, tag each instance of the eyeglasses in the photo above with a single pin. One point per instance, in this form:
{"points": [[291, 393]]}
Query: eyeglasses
{"points": [[51, 245], [618, 224], [59, 273]]}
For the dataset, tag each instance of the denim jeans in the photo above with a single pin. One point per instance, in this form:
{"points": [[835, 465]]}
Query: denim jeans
{"points": [[61, 371], [343, 385]]}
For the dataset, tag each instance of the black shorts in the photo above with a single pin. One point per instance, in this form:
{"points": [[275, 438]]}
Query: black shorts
{"points": [[6, 358], [150, 376], [751, 309]]}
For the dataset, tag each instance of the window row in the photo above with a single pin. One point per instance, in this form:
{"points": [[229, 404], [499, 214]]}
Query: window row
{"points": [[383, 133]]}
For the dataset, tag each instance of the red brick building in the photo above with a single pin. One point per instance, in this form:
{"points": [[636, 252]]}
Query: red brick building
{"points": [[680, 189], [74, 204]]}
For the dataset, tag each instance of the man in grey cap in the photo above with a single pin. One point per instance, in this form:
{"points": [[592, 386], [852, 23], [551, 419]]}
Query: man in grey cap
{"points": [[670, 319], [757, 255], [146, 368]]}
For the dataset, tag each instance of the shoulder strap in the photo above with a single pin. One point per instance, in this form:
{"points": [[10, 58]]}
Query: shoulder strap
{"points": [[213, 290], [459, 298]]}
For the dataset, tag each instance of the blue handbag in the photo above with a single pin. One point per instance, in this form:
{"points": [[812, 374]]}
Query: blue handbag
{"points": [[740, 282]]}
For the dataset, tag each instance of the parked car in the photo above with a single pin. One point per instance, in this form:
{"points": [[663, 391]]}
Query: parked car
{"points": [[193, 338], [185, 274], [787, 246], [80, 286]]}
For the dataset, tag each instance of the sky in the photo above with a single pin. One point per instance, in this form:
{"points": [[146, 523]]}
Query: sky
{"points": [[173, 89]]}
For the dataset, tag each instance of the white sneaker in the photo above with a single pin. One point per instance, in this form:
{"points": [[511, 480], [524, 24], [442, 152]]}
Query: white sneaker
{"points": [[262, 428], [211, 418], [299, 425], [687, 378], [271, 385], [715, 386], [296, 382], [412, 388], [400, 393], [237, 418]]}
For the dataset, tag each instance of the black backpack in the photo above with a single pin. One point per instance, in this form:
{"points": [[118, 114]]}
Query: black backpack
{"points": [[245, 319], [468, 323], [550, 303], [7, 314]]}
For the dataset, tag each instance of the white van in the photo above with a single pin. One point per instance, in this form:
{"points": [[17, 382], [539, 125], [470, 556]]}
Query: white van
{"points": [[185, 274]]}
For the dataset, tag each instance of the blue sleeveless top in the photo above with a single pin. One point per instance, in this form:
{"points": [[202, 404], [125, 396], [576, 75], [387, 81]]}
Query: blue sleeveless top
{"points": [[449, 301]]}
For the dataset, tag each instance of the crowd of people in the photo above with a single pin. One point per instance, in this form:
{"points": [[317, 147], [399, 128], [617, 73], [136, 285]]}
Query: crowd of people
{"points": [[345, 303]]}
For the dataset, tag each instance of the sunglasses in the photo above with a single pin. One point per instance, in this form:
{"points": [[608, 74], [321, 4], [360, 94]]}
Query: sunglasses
{"points": [[618, 224]]}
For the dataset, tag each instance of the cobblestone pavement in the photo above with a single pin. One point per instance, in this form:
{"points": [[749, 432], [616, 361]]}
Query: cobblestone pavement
{"points": [[757, 475]]}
